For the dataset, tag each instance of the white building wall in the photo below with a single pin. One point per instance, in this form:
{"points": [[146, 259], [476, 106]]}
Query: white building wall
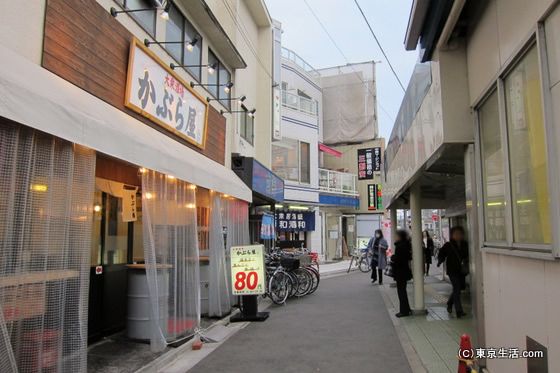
{"points": [[22, 27]]}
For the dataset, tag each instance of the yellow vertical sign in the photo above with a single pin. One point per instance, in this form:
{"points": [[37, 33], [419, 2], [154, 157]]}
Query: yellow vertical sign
{"points": [[248, 274]]}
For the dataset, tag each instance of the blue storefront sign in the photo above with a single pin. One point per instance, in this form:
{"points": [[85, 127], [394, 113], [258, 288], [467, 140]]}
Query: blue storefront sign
{"points": [[295, 221], [267, 183], [327, 199]]}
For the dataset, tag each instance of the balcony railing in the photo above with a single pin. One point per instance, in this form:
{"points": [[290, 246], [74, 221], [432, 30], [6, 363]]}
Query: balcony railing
{"points": [[293, 57], [299, 103], [338, 182]]}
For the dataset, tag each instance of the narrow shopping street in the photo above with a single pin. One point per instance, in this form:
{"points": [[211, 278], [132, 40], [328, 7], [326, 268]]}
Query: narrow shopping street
{"points": [[344, 326]]}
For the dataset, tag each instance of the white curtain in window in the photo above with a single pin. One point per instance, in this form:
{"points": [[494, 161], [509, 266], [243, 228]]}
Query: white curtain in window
{"points": [[229, 226], [171, 255], [46, 211], [219, 284]]}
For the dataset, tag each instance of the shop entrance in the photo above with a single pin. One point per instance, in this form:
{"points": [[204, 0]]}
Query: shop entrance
{"points": [[116, 242], [334, 237]]}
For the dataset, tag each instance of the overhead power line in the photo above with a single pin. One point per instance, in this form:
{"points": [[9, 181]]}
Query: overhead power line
{"points": [[379, 45], [347, 61]]}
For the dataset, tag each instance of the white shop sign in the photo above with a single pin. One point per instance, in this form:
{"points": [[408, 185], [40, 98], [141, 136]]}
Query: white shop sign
{"points": [[158, 93], [247, 270]]}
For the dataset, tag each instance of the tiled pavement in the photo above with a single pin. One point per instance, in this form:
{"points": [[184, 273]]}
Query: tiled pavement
{"points": [[434, 336]]}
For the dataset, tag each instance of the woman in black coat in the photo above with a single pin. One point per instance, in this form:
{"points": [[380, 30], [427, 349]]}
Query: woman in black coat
{"points": [[428, 250], [401, 270]]}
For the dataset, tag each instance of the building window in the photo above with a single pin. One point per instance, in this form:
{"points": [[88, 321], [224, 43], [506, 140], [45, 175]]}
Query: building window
{"points": [[493, 169], [146, 19], [304, 164], [246, 125], [212, 79], [527, 152], [515, 183], [178, 28], [218, 80], [291, 160]]}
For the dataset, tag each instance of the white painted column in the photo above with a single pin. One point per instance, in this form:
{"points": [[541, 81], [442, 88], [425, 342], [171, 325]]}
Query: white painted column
{"points": [[394, 224], [417, 249]]}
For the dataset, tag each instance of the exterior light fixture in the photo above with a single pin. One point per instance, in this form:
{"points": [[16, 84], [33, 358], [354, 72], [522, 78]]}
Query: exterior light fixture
{"points": [[189, 44], [249, 113], [97, 208], [192, 186], [241, 99], [227, 87], [165, 11], [299, 208], [279, 206], [212, 68]]}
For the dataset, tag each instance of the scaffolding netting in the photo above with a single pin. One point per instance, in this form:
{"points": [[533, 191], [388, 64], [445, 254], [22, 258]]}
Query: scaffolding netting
{"points": [[349, 103]]}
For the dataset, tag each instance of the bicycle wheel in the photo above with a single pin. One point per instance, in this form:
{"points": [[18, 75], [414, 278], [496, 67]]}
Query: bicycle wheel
{"points": [[293, 285], [316, 278], [278, 287], [305, 281], [365, 263]]}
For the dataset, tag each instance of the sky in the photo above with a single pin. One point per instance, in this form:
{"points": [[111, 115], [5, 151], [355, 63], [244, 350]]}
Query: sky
{"points": [[342, 19]]}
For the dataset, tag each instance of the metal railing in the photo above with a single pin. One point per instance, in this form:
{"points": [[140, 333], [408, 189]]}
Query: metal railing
{"points": [[338, 182], [299, 103], [293, 57]]}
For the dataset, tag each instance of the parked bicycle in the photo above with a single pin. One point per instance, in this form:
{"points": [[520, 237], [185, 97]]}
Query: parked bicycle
{"points": [[360, 258], [290, 274]]}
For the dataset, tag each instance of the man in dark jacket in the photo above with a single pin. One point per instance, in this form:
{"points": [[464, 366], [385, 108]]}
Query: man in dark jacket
{"points": [[401, 270], [455, 254]]}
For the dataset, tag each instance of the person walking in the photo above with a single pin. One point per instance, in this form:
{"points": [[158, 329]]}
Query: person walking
{"points": [[455, 254], [401, 270], [428, 250], [377, 245]]}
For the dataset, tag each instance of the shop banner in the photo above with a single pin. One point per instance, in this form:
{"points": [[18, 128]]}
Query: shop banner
{"points": [[247, 270], [267, 227], [295, 221], [158, 93], [375, 199]]}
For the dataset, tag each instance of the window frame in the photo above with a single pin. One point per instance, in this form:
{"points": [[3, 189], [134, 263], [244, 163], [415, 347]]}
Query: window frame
{"points": [[192, 71], [299, 146], [243, 121], [535, 39], [124, 6], [217, 95]]}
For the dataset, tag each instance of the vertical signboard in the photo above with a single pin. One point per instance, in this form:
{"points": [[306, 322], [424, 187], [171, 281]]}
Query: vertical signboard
{"points": [[277, 115], [247, 270], [375, 200], [365, 164], [376, 159]]}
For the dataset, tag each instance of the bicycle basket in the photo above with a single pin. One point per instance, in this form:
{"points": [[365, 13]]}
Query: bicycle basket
{"points": [[290, 263], [305, 260]]}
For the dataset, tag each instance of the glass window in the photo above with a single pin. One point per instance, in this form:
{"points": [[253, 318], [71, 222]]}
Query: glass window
{"points": [[526, 137], [304, 163], [194, 57], [212, 78], [246, 126], [493, 169], [224, 78], [285, 159], [174, 32], [146, 19]]}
